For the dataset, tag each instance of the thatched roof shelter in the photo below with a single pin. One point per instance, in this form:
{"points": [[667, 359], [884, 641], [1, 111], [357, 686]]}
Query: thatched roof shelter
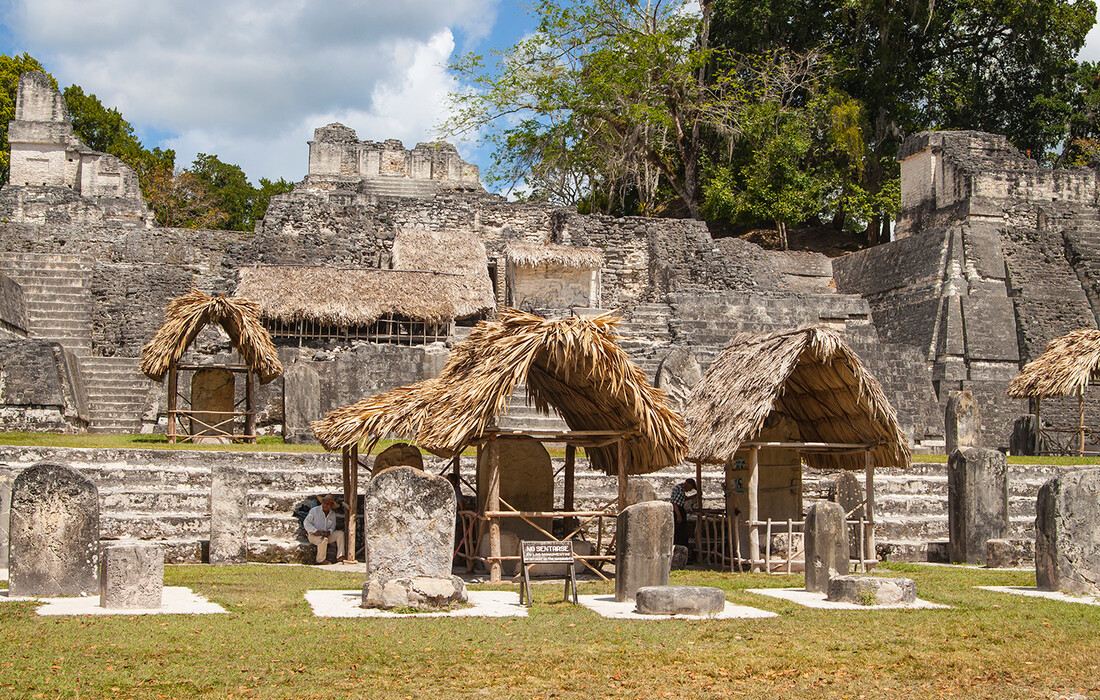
{"points": [[574, 365], [812, 377], [187, 315], [438, 276], [524, 254], [1066, 368]]}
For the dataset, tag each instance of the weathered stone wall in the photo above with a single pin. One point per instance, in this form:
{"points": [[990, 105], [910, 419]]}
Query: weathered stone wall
{"points": [[13, 307], [40, 388]]}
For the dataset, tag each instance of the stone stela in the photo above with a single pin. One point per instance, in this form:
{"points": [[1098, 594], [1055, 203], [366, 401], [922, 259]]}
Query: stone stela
{"points": [[532, 553]]}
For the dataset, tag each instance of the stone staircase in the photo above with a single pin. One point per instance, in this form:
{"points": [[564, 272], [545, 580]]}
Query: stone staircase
{"points": [[59, 303], [520, 416], [58, 297], [646, 336], [399, 187], [117, 391]]}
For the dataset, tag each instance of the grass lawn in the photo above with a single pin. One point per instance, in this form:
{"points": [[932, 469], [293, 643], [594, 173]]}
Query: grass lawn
{"points": [[989, 646]]}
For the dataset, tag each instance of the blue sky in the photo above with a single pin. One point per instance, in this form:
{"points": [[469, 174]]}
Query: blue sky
{"points": [[249, 80]]}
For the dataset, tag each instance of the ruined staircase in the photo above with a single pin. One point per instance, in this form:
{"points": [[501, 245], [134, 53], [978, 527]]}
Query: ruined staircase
{"points": [[57, 295], [646, 336], [116, 393], [56, 289]]}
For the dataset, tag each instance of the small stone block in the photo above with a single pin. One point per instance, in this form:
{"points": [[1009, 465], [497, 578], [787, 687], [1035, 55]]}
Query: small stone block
{"points": [[1004, 554], [420, 592], [131, 576], [680, 600], [871, 590]]}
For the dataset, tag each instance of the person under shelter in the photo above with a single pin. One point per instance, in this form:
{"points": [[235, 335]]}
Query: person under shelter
{"points": [[320, 525], [678, 499]]}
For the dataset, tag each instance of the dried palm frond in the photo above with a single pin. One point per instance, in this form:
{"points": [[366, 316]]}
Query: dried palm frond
{"points": [[1068, 365], [574, 365], [809, 375], [186, 315], [524, 254]]}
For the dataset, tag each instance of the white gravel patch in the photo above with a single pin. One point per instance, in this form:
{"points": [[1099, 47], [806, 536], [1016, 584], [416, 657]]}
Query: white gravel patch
{"points": [[606, 606], [482, 604], [817, 600], [175, 600], [1049, 595]]}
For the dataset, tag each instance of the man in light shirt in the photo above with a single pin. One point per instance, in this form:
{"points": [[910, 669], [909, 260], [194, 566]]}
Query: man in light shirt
{"points": [[320, 525]]}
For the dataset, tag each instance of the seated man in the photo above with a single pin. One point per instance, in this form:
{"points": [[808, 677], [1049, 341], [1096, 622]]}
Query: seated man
{"points": [[320, 525]]}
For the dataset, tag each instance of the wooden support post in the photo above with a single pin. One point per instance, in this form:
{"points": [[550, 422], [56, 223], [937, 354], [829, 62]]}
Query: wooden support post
{"points": [[173, 389], [351, 502], [869, 534], [492, 503], [250, 413], [698, 507], [1081, 420], [570, 475], [622, 474], [754, 508], [1038, 423]]}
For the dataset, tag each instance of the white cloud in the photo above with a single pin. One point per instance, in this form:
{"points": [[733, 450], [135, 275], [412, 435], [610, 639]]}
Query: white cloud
{"points": [[249, 80]]}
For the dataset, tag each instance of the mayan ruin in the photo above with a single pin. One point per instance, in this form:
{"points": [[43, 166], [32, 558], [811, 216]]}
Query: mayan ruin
{"points": [[730, 397]]}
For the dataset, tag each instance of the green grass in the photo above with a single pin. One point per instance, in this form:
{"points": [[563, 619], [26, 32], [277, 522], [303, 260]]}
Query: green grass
{"points": [[1047, 459], [989, 645], [160, 442]]}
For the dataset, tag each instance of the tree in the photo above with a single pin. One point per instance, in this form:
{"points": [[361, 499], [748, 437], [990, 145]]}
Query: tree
{"points": [[182, 199], [993, 65], [263, 195], [104, 129], [604, 97], [11, 67], [229, 187]]}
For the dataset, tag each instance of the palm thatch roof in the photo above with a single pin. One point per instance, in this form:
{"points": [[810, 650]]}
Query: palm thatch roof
{"points": [[523, 254], [186, 315], [438, 276], [1066, 367], [812, 377], [574, 365], [359, 297]]}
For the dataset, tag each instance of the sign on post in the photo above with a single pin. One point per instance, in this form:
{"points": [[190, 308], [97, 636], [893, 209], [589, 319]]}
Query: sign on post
{"points": [[552, 552]]}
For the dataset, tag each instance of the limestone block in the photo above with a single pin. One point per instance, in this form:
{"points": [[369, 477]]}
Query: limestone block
{"points": [[962, 421], [1023, 436], [640, 491], [680, 600], [990, 324], [977, 502], [6, 480], [420, 592], [677, 375], [131, 576], [228, 514], [826, 545], [848, 491], [526, 482], [871, 590], [679, 556], [643, 547], [397, 455], [1004, 554], [408, 523], [212, 392], [1067, 533], [301, 402], [54, 547], [509, 547]]}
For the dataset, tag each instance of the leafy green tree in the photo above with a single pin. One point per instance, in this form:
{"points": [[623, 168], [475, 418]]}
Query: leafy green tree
{"points": [[11, 67], [104, 129], [229, 188], [605, 96], [263, 195]]}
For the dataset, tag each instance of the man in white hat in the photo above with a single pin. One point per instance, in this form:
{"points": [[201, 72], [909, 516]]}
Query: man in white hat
{"points": [[320, 525]]}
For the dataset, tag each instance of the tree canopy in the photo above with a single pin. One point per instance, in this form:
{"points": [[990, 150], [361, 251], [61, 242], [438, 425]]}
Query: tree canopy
{"points": [[751, 111], [209, 194]]}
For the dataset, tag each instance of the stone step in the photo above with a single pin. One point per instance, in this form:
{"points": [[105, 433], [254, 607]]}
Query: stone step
{"points": [[118, 524]]}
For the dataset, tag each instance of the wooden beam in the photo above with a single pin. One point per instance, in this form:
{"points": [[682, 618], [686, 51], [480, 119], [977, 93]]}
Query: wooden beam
{"points": [[351, 501], [570, 475], [698, 510], [869, 535], [1081, 419], [173, 390], [754, 508], [492, 503], [623, 482], [250, 417]]}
